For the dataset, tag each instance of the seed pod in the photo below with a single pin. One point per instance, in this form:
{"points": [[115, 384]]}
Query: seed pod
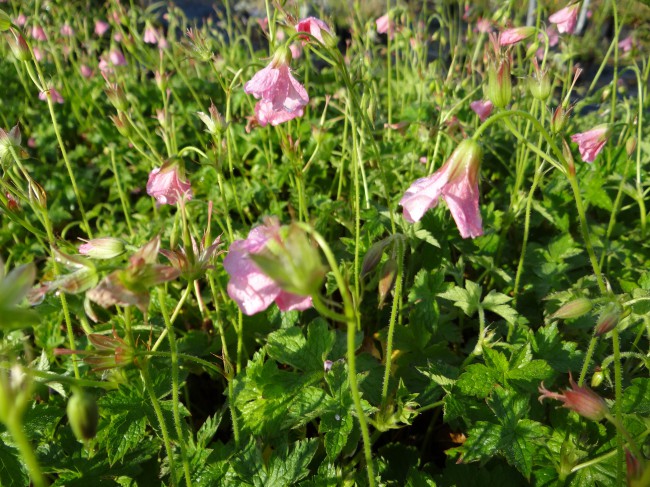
{"points": [[83, 415], [387, 279], [597, 378]]}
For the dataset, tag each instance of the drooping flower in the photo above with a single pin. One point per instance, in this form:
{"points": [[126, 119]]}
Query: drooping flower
{"points": [[56, 96], [457, 182], [67, 30], [512, 36], [591, 142], [117, 58], [101, 27], [313, 26], [165, 184], [281, 96], [249, 287], [483, 108], [150, 35], [580, 399], [566, 18], [626, 44], [385, 26], [20, 20], [38, 33]]}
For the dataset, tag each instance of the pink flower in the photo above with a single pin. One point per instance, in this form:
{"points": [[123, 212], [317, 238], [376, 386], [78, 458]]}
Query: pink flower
{"points": [[38, 33], [86, 72], [117, 58], [385, 26], [101, 27], [38, 53], [150, 35], [20, 20], [249, 287], [483, 25], [582, 400], [591, 142], [457, 182], [162, 42], [312, 26], [512, 36], [281, 96], [626, 44], [67, 31], [566, 18], [296, 50], [56, 96], [166, 185], [105, 67], [117, 37], [483, 108]]}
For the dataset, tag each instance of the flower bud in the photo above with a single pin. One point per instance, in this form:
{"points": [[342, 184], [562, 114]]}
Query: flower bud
{"points": [[102, 248], [608, 319], [573, 309], [630, 146], [18, 46], [214, 121], [122, 123], [513, 36], [83, 415], [373, 256], [597, 377], [387, 280], [8, 141], [499, 90], [635, 470], [36, 193]]}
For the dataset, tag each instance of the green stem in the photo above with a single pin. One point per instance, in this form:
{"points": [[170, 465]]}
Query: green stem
{"points": [[351, 320], [391, 324], [120, 192], [618, 399], [175, 399], [15, 427], [588, 355]]}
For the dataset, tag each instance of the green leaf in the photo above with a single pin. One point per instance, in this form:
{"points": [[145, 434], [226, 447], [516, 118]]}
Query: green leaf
{"points": [[482, 441], [289, 346], [290, 464], [520, 444], [477, 380], [560, 354], [337, 427], [468, 299], [636, 398], [12, 473], [496, 302]]}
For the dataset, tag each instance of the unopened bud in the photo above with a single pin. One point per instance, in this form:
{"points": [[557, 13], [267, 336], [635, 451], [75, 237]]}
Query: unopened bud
{"points": [[608, 320], [539, 83], [597, 378], [214, 121], [387, 280], [117, 97], [373, 257], [573, 309], [83, 415], [18, 46], [513, 36], [630, 146], [122, 124], [568, 157], [102, 248]]}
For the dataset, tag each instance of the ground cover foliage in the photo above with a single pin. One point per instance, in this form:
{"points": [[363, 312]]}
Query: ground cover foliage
{"points": [[272, 249]]}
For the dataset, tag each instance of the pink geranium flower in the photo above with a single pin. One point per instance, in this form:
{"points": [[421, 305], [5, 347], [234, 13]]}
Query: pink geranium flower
{"points": [[566, 18], [626, 44], [56, 96], [457, 182], [385, 26], [38, 33], [249, 287], [67, 31], [580, 399], [313, 26], [86, 71], [165, 184], [20, 20], [117, 58], [591, 142], [281, 96], [150, 35], [101, 27], [483, 108]]}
